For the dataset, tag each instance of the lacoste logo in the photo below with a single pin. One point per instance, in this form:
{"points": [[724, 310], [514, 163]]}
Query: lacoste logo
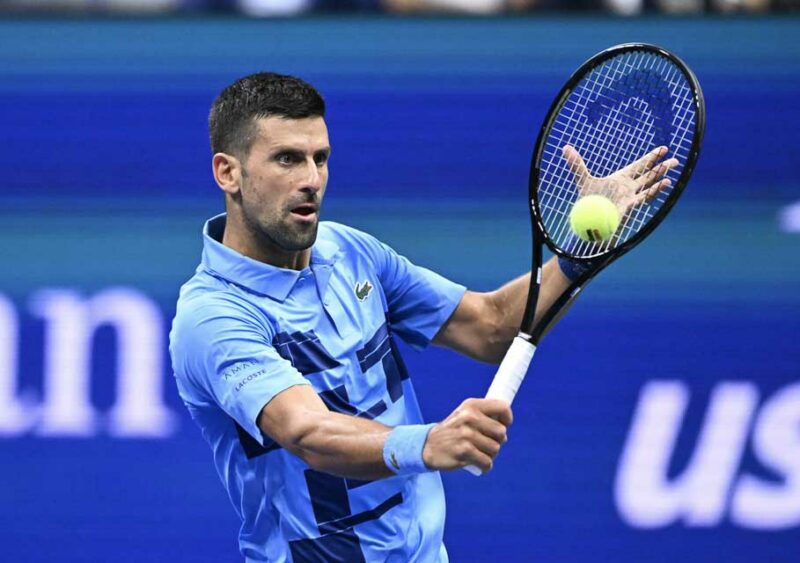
{"points": [[363, 289], [393, 459]]}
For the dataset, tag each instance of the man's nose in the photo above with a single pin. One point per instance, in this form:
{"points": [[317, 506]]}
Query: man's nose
{"points": [[314, 179]]}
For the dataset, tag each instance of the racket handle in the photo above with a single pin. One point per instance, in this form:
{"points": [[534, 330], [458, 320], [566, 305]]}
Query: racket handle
{"points": [[509, 376], [512, 371]]}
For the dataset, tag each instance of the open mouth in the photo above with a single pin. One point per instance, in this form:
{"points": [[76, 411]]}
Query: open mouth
{"points": [[307, 210]]}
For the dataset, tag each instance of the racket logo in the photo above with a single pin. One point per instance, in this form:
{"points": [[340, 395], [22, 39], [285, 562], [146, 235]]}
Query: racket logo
{"points": [[645, 85], [363, 290]]}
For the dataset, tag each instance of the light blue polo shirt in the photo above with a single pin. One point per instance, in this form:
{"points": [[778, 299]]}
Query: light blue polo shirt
{"points": [[244, 331]]}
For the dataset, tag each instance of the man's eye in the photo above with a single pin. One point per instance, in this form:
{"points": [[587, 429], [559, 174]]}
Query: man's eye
{"points": [[321, 159], [285, 158]]}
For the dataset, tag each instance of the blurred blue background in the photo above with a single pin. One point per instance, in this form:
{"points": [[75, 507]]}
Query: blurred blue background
{"points": [[660, 420]]}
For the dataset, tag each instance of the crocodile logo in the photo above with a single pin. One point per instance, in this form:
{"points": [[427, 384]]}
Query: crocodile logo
{"points": [[363, 290]]}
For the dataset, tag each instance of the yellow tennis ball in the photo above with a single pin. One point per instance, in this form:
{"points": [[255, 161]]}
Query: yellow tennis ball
{"points": [[594, 218]]}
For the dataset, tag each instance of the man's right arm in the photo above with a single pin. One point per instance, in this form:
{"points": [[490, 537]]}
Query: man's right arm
{"points": [[224, 348], [353, 447]]}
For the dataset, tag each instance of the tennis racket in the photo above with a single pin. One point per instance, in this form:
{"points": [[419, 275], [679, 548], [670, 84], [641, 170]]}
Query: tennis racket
{"points": [[627, 125]]}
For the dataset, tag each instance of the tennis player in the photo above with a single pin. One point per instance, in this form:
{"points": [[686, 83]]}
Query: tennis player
{"points": [[284, 352]]}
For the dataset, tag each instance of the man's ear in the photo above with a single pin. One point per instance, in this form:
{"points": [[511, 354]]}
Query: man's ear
{"points": [[227, 171]]}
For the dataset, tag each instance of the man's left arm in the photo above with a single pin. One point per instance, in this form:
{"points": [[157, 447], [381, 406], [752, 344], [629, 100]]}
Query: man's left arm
{"points": [[484, 324]]}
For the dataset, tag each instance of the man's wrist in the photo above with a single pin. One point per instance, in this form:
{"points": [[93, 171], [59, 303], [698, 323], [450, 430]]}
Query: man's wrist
{"points": [[402, 451], [573, 269]]}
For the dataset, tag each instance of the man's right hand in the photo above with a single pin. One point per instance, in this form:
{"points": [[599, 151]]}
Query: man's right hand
{"points": [[471, 435]]}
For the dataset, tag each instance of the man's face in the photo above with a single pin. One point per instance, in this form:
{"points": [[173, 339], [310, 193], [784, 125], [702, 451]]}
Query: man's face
{"points": [[284, 179]]}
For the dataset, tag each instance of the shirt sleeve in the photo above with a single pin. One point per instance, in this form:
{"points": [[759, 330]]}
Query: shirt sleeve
{"points": [[227, 352], [419, 301]]}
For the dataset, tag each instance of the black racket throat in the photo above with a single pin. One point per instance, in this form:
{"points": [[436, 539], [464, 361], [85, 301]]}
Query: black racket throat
{"points": [[532, 329]]}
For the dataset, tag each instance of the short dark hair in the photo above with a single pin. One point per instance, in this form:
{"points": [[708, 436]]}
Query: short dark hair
{"points": [[231, 123]]}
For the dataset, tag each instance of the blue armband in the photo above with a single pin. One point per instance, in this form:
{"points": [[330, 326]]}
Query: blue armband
{"points": [[402, 452]]}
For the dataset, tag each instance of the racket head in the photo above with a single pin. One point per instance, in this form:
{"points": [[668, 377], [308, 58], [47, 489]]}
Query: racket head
{"points": [[616, 108]]}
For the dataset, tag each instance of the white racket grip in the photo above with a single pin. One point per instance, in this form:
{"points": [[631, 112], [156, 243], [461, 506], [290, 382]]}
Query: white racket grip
{"points": [[512, 370], [509, 377]]}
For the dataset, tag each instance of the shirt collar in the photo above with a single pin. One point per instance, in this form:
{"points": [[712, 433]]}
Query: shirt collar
{"points": [[256, 276]]}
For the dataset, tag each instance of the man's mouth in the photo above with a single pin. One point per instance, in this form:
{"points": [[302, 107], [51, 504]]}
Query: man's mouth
{"points": [[307, 211]]}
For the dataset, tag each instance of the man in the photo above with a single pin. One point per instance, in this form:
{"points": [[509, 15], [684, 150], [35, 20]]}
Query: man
{"points": [[283, 350]]}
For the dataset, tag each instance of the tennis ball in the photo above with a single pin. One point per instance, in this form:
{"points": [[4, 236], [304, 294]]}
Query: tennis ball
{"points": [[594, 218]]}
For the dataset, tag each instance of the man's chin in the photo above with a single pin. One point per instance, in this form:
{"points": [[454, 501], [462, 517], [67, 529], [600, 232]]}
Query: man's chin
{"points": [[296, 240]]}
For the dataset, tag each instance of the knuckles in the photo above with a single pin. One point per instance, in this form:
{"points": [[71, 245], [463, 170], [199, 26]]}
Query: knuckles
{"points": [[469, 417], [470, 403], [462, 452]]}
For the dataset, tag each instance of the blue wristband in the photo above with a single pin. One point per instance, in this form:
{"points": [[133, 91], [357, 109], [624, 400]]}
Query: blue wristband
{"points": [[573, 269], [402, 451]]}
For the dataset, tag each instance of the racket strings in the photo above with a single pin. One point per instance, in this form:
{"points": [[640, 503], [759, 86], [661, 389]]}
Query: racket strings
{"points": [[621, 111], [608, 158]]}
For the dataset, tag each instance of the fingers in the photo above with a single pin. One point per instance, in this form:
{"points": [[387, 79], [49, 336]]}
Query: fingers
{"points": [[478, 449], [653, 182], [576, 164], [645, 180], [487, 444], [479, 460], [487, 429], [491, 428], [645, 163], [493, 408], [650, 193]]}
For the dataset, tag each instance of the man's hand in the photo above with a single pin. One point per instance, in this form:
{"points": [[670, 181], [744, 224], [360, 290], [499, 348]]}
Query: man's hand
{"points": [[471, 435], [633, 185]]}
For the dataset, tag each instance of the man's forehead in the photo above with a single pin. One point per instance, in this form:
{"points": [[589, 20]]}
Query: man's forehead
{"points": [[275, 130]]}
